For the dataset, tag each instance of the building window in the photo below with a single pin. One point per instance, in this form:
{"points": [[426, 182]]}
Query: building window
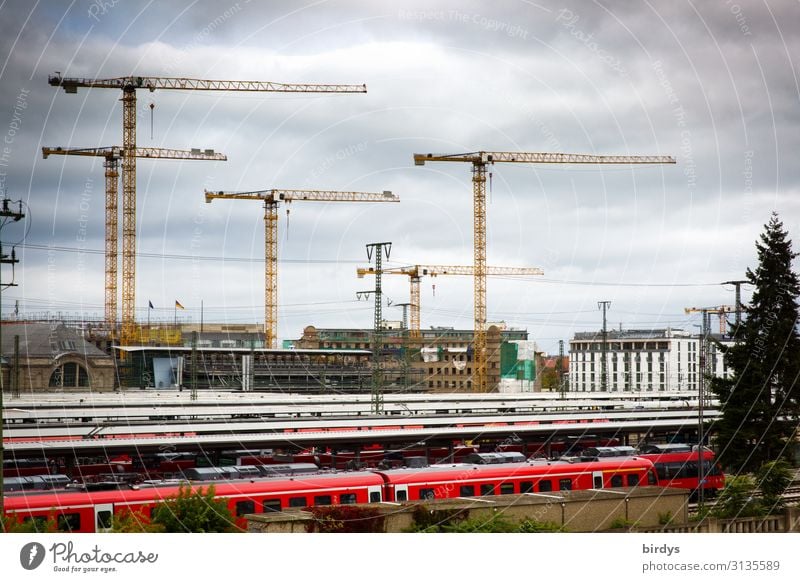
{"points": [[69, 375]]}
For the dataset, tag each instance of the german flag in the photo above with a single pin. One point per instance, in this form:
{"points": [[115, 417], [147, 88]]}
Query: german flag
{"points": [[178, 305]]}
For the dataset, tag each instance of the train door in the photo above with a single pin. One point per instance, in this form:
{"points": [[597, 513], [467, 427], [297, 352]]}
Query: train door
{"points": [[597, 479], [374, 494], [103, 513], [401, 492]]}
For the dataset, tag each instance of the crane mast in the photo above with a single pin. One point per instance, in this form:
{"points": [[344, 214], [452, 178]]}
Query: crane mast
{"points": [[480, 160], [129, 85], [416, 272], [112, 155], [271, 199]]}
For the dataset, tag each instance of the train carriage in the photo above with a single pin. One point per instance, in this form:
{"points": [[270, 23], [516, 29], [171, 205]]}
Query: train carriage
{"points": [[89, 512], [452, 481]]}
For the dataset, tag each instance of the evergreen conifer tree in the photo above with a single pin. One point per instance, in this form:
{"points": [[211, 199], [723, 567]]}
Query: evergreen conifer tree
{"points": [[760, 401]]}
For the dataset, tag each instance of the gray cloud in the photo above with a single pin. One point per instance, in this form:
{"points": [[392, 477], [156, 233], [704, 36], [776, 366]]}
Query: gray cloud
{"points": [[712, 85]]}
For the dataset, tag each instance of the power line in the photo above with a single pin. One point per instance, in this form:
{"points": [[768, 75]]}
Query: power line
{"points": [[176, 256]]}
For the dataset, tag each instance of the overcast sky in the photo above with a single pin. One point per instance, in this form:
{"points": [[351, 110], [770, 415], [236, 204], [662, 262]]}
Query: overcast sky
{"points": [[712, 83]]}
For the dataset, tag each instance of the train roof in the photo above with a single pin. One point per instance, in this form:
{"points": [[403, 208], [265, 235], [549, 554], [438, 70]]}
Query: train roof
{"points": [[461, 471], [66, 499]]}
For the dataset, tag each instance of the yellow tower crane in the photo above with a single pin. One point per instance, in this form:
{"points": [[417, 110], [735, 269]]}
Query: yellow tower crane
{"points": [[480, 161], [416, 272], [271, 198], [128, 86], [112, 155], [719, 310]]}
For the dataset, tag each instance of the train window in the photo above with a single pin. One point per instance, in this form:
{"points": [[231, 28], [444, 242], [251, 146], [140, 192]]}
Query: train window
{"points": [[427, 494], [322, 500], [564, 484], [347, 498], [401, 495], [297, 502], [507, 489], [271, 505], [689, 470], [487, 489], [651, 478], [103, 520], [545, 485], [597, 482], [633, 480], [466, 491], [616, 480], [526, 487], [375, 497], [69, 522], [245, 507]]}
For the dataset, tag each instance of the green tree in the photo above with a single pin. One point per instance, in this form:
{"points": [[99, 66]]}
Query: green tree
{"points": [[550, 380], [760, 402], [194, 511], [773, 479]]}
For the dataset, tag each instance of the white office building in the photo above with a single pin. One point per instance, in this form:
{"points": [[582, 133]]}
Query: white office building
{"points": [[658, 360]]}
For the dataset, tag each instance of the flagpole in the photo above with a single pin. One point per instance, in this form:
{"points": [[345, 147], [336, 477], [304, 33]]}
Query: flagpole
{"points": [[175, 313]]}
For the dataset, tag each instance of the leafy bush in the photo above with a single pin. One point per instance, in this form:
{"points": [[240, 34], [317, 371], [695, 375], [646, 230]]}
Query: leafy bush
{"points": [[495, 524], [737, 499], [621, 523], [533, 526], [432, 520], [134, 522], [194, 512], [37, 525], [457, 521], [665, 518]]}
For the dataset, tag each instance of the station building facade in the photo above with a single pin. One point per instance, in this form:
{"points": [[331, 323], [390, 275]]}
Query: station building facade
{"points": [[439, 360], [40, 356], [657, 360]]}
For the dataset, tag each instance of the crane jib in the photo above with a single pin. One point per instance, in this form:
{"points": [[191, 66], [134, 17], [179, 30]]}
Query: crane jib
{"points": [[71, 85]]}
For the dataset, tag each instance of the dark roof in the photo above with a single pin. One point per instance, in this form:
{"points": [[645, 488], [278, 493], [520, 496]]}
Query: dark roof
{"points": [[643, 334], [46, 340]]}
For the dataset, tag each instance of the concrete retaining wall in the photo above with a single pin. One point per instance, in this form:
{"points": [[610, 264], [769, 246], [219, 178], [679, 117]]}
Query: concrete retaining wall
{"points": [[576, 511]]}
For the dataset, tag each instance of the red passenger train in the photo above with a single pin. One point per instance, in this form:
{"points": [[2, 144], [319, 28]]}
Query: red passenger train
{"points": [[92, 511]]}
